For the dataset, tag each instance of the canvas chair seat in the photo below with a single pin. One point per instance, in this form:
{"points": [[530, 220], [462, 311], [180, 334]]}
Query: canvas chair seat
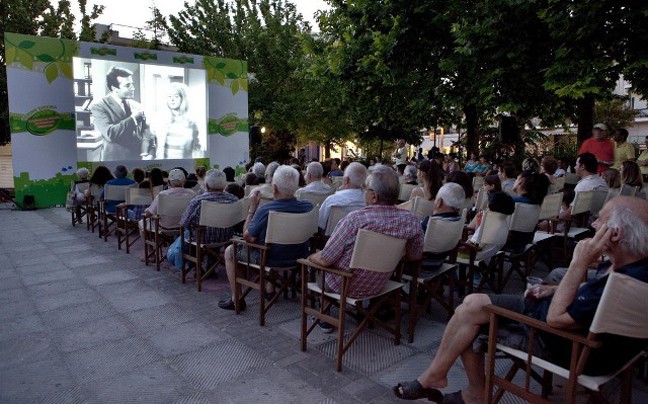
{"points": [[79, 210], [155, 235], [620, 312], [373, 252], [113, 193], [524, 221], [284, 229], [127, 229], [212, 214]]}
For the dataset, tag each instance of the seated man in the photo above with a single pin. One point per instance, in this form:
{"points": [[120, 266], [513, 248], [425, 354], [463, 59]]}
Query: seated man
{"points": [[381, 191], [176, 187], [314, 173], [349, 195], [214, 186], [120, 179], [265, 189], [621, 233], [285, 182]]}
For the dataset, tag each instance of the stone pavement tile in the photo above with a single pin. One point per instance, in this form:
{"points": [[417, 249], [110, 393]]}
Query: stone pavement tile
{"points": [[158, 317], [12, 282], [25, 348], [16, 309], [103, 361], [21, 325], [74, 261], [316, 337], [190, 396], [31, 270], [233, 358], [150, 383], [121, 288], [426, 333], [269, 385], [33, 380], [75, 248], [20, 246], [31, 258], [132, 302], [47, 276], [54, 287], [173, 340], [17, 235], [72, 395], [91, 333], [66, 316], [69, 298], [4, 258], [18, 294], [59, 237], [109, 277]]}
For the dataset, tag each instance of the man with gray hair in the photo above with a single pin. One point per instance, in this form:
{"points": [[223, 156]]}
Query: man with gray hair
{"points": [[349, 196], [285, 182], [622, 235], [176, 187], [265, 189], [381, 189], [449, 201], [314, 173], [259, 170], [215, 182]]}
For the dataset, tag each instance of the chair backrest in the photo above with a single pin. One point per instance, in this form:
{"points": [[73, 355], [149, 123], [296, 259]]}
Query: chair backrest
{"points": [[115, 192], [221, 215], [336, 213], [173, 205], [525, 217], [468, 202], [315, 198], [622, 308], [82, 186], [582, 202], [628, 190], [157, 189], [422, 208], [481, 202], [249, 188], [550, 207], [138, 196], [337, 181], [443, 235], [478, 182], [95, 190], [558, 185], [600, 197], [291, 228], [405, 191], [571, 178], [492, 228], [377, 252]]}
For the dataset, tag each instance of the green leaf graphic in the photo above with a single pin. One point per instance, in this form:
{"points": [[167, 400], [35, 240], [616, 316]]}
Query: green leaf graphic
{"points": [[235, 87], [219, 76], [66, 69], [231, 75], [220, 65], [44, 57], [27, 44], [51, 73]]}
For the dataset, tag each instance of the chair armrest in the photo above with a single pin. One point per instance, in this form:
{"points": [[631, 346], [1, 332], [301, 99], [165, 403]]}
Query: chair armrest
{"points": [[236, 240], [469, 245], [330, 270], [540, 325]]}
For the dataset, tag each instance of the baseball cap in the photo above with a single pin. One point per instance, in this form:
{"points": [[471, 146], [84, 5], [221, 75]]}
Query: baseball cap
{"points": [[601, 126], [176, 174]]}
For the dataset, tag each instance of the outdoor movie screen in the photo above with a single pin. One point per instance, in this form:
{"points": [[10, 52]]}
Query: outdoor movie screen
{"points": [[130, 111]]}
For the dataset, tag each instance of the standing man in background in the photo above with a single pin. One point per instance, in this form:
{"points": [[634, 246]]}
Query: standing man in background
{"points": [[600, 146]]}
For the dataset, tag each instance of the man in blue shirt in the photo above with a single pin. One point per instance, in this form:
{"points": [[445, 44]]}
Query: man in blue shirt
{"points": [[120, 179], [621, 234], [285, 182]]}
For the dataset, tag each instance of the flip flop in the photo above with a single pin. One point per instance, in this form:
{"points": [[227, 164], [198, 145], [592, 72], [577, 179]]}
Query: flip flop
{"points": [[414, 391], [453, 398]]}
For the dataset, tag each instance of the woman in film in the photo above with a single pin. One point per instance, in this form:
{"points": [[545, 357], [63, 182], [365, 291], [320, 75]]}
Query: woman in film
{"points": [[178, 139]]}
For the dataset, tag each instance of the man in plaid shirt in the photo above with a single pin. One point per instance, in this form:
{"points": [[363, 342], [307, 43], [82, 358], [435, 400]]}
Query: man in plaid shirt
{"points": [[381, 189]]}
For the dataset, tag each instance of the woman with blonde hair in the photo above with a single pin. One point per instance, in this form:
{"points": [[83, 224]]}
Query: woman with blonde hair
{"points": [[178, 139], [631, 174]]}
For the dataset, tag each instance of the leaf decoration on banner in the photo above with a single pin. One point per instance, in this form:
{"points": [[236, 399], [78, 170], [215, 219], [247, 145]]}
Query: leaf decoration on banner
{"points": [[51, 72], [10, 55], [244, 84], [27, 44], [44, 57], [235, 87], [219, 77], [66, 69], [227, 72]]}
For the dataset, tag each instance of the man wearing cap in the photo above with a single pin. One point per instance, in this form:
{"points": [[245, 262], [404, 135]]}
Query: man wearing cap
{"points": [[600, 146], [176, 187]]}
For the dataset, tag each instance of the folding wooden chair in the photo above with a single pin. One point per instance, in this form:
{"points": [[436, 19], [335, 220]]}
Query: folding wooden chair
{"points": [[127, 228], [282, 229], [579, 215], [195, 249], [442, 237], [79, 210], [156, 236], [92, 207], [620, 312], [113, 193], [421, 208], [406, 191], [373, 252], [549, 211], [315, 198], [523, 222]]}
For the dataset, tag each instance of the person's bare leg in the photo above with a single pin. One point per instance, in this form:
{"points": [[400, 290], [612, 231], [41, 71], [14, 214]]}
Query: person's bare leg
{"points": [[230, 268], [457, 339], [473, 363]]}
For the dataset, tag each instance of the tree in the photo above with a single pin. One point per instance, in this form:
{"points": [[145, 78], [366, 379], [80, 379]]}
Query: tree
{"points": [[269, 35]]}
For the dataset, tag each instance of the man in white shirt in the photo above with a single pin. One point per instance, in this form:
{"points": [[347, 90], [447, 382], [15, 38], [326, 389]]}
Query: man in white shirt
{"points": [[586, 169], [314, 173], [349, 195], [176, 187]]}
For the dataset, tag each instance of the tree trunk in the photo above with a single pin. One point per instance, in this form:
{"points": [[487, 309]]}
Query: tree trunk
{"points": [[585, 117], [327, 150], [472, 140]]}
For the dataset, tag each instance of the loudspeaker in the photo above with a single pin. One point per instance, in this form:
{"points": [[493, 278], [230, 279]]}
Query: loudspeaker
{"points": [[255, 135], [509, 131]]}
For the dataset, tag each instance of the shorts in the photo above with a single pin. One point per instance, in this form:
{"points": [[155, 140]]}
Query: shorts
{"points": [[511, 333]]}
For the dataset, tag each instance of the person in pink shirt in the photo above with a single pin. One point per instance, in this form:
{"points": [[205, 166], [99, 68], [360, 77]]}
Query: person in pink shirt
{"points": [[600, 146]]}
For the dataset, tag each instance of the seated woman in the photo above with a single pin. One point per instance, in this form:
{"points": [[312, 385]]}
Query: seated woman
{"points": [[79, 187], [471, 163], [612, 178], [483, 167], [631, 174], [431, 178]]}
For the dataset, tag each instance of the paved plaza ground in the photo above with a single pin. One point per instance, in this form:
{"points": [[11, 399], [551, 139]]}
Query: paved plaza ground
{"points": [[82, 322]]}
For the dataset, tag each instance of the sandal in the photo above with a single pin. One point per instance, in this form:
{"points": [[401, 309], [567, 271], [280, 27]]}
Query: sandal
{"points": [[414, 391]]}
